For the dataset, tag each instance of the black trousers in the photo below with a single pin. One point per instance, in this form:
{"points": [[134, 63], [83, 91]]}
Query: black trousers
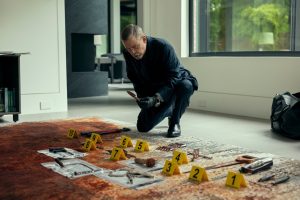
{"points": [[174, 107]]}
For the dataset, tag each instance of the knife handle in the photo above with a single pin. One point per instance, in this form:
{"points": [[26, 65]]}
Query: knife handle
{"points": [[282, 179], [57, 149], [57, 160], [266, 178]]}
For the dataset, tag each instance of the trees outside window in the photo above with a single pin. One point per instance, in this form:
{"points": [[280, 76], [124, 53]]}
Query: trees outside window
{"points": [[244, 26], [128, 14]]}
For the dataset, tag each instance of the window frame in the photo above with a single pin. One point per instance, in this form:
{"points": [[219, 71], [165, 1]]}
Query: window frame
{"points": [[203, 36]]}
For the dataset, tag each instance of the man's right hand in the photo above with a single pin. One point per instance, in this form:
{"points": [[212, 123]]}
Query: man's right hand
{"points": [[147, 102]]}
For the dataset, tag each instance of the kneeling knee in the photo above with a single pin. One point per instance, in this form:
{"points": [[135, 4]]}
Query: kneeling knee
{"points": [[142, 127], [185, 86]]}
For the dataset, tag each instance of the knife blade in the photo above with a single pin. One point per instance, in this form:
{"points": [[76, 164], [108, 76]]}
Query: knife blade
{"points": [[282, 179], [146, 184]]}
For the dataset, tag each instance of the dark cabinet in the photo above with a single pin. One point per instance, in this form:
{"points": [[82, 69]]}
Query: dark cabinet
{"points": [[10, 98], [84, 21]]}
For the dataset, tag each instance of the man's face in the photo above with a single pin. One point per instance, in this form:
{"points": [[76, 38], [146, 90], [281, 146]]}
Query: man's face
{"points": [[136, 46]]}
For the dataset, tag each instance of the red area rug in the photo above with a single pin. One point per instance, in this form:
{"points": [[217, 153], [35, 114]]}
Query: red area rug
{"points": [[21, 173], [23, 177]]}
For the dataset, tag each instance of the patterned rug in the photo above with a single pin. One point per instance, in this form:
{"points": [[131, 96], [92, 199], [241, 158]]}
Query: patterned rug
{"points": [[23, 177]]}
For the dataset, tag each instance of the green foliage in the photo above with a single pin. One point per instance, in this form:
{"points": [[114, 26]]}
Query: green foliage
{"points": [[217, 25], [250, 18], [268, 17]]}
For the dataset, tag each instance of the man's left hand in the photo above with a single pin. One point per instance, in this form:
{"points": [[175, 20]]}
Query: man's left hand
{"points": [[147, 102]]}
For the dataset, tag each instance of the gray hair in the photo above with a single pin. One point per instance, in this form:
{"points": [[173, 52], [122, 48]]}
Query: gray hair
{"points": [[131, 30]]}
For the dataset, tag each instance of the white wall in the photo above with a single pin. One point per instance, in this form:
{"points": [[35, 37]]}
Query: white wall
{"points": [[235, 85], [38, 27], [115, 14], [143, 15]]}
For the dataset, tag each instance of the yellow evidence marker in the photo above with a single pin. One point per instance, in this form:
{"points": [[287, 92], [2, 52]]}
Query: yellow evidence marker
{"points": [[141, 146], [171, 168], [72, 133], [96, 138], [198, 174], [125, 142], [180, 157], [117, 154], [235, 180], [89, 145]]}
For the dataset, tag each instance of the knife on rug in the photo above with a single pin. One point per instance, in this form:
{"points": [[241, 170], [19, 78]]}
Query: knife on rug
{"points": [[104, 132], [59, 150], [145, 184]]}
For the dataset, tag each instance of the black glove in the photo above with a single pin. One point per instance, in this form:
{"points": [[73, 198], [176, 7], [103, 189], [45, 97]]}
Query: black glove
{"points": [[147, 102]]}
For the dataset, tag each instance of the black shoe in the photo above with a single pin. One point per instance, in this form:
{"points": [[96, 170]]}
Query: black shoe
{"points": [[174, 131]]}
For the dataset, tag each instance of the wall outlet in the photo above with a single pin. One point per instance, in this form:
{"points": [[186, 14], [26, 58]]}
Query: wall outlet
{"points": [[45, 105]]}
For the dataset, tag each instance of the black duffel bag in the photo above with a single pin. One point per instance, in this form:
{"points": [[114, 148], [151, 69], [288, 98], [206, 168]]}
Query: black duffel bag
{"points": [[285, 116]]}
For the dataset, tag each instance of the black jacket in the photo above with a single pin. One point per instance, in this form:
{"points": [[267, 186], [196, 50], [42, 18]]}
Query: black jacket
{"points": [[158, 71]]}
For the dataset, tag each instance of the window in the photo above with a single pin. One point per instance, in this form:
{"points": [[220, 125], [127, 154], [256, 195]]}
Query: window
{"points": [[244, 27], [101, 44], [128, 14]]}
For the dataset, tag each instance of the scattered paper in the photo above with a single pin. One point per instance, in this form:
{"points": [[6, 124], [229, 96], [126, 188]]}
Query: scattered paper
{"points": [[131, 164], [70, 153], [73, 168], [119, 177]]}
